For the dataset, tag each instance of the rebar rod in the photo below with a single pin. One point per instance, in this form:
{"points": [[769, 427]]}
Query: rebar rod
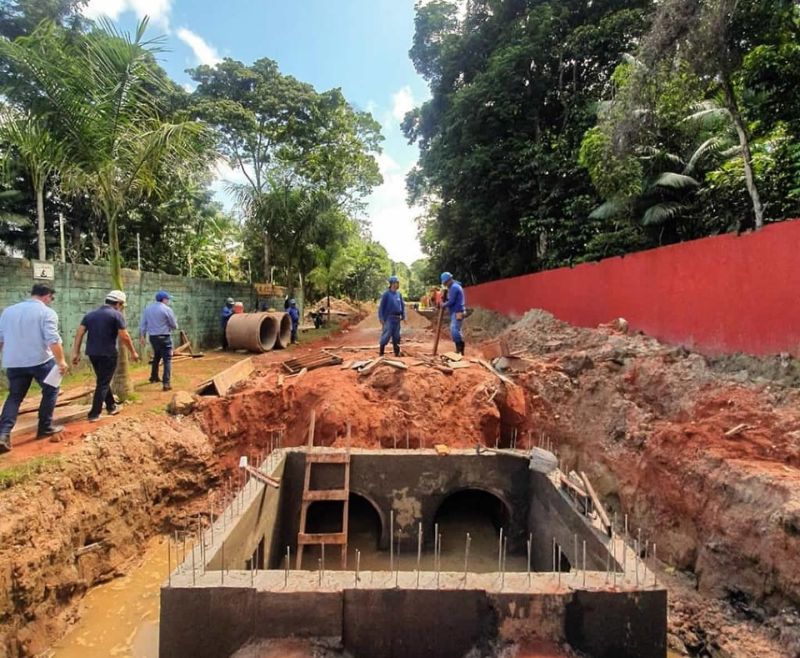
{"points": [[466, 558], [419, 551]]}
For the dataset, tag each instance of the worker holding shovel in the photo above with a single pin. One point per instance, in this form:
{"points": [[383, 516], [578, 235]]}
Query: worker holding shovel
{"points": [[456, 305]]}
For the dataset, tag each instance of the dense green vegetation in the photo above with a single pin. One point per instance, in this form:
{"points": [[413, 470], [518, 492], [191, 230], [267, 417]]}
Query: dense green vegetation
{"points": [[99, 143], [562, 131]]}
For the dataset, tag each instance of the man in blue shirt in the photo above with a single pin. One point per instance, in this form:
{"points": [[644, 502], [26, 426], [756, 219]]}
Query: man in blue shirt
{"points": [[225, 315], [456, 304], [294, 315], [104, 325], [158, 321], [31, 349], [391, 311]]}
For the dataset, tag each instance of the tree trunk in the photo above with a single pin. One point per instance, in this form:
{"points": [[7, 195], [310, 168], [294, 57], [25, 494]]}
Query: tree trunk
{"points": [[744, 142], [121, 384], [40, 218], [266, 257]]}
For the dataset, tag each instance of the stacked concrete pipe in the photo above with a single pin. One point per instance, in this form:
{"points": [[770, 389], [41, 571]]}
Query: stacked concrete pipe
{"points": [[258, 332]]}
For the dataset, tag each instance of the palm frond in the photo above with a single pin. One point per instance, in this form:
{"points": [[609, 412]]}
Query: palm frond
{"points": [[673, 181], [608, 210], [663, 212]]}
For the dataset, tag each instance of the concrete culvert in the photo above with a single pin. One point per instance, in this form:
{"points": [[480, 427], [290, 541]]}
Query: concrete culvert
{"points": [[254, 332], [284, 332]]}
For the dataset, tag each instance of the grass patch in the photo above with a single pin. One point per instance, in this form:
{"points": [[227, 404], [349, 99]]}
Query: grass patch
{"points": [[19, 473]]}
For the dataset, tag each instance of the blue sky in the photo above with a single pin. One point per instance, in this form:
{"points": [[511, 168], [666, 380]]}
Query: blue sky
{"points": [[358, 45]]}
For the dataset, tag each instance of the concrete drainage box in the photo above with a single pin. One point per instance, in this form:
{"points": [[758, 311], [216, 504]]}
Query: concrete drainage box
{"points": [[413, 585]]}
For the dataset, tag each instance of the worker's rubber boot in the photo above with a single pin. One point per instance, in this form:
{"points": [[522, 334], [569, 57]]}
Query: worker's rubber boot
{"points": [[397, 350], [381, 352], [460, 348]]}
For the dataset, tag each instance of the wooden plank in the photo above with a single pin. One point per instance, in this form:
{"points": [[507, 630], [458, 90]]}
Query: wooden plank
{"points": [[64, 397], [489, 367], [261, 477], [566, 482], [596, 502], [229, 377], [322, 538], [325, 494], [437, 330], [735, 430], [311, 427], [61, 415], [327, 457], [395, 364], [452, 356], [457, 365], [369, 368]]}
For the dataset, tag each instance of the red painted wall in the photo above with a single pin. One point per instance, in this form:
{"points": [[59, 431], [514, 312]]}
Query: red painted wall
{"points": [[717, 295]]}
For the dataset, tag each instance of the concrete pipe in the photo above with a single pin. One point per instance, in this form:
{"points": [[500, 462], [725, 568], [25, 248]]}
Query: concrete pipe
{"points": [[284, 333], [254, 332]]}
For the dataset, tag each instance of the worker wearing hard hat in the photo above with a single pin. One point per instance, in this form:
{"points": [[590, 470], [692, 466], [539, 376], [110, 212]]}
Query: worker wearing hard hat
{"points": [[225, 315], [456, 305], [104, 326], [391, 311], [294, 316]]}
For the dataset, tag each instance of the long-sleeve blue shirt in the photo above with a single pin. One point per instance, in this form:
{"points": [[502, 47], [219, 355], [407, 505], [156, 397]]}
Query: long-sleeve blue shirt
{"points": [[158, 319], [294, 314], [27, 330], [225, 315], [391, 304], [455, 299]]}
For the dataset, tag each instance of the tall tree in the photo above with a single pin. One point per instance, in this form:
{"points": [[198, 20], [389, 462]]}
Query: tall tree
{"points": [[28, 137]]}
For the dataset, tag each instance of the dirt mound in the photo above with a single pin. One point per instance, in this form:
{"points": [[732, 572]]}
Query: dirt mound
{"points": [[389, 407], [337, 306]]}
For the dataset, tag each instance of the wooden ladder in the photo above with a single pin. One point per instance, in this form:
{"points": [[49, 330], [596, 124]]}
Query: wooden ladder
{"points": [[315, 495]]}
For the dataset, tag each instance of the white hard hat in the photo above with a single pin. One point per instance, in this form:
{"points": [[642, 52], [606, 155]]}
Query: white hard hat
{"points": [[116, 296]]}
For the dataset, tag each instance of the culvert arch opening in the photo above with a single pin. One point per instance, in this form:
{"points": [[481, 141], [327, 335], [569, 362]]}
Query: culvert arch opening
{"points": [[482, 514]]}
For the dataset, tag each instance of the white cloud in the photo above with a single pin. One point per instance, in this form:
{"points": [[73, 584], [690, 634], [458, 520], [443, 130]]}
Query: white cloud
{"points": [[203, 51], [157, 10], [393, 222], [402, 102]]}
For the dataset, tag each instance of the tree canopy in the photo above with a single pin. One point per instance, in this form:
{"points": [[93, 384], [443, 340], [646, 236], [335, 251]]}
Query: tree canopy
{"points": [[559, 132]]}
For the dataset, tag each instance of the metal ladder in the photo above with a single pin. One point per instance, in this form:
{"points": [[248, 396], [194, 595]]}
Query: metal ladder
{"points": [[315, 495]]}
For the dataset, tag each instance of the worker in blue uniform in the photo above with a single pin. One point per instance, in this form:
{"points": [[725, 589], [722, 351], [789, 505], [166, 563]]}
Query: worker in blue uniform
{"points": [[456, 305], [294, 316], [391, 311]]}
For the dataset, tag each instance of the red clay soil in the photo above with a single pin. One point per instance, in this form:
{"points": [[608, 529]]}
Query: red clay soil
{"points": [[647, 422]]}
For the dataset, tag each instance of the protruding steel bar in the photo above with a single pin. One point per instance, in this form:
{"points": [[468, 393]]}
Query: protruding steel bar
{"points": [[500, 551], [503, 569], [655, 566], [358, 565], [438, 557], [530, 543], [194, 577], [391, 540], [322, 559], [319, 570], [466, 558], [559, 565], [584, 563], [169, 561], [397, 572], [222, 570], [419, 551], [575, 553], [288, 566]]}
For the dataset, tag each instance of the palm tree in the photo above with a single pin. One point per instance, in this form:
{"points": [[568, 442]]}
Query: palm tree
{"points": [[40, 153], [333, 266], [101, 91]]}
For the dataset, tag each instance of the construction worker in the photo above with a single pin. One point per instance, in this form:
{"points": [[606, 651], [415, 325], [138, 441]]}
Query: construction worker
{"points": [[456, 305], [104, 326], [294, 314], [391, 311], [225, 315], [158, 322]]}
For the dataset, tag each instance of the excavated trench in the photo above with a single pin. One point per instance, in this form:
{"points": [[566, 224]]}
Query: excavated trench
{"points": [[646, 422]]}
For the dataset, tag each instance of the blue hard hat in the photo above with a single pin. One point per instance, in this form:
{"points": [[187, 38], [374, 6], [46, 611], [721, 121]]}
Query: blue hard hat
{"points": [[161, 295], [393, 279], [292, 302], [445, 277]]}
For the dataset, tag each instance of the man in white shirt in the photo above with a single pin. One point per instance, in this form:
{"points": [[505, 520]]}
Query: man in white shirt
{"points": [[31, 349]]}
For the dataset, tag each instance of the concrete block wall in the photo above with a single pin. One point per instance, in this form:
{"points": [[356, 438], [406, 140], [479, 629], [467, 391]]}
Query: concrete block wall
{"points": [[81, 288]]}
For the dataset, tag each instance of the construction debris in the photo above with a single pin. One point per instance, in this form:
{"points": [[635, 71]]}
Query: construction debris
{"points": [[221, 383], [311, 362]]}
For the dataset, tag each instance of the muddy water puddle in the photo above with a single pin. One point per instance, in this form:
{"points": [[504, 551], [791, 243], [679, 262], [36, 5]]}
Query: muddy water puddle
{"points": [[120, 618]]}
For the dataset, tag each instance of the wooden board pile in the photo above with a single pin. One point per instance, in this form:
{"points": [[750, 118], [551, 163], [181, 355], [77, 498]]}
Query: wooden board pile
{"points": [[311, 362]]}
